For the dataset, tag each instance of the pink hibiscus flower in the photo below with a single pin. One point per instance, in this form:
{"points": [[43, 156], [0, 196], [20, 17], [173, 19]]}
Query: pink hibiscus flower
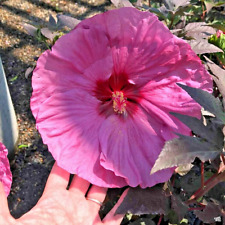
{"points": [[5, 172], [102, 96]]}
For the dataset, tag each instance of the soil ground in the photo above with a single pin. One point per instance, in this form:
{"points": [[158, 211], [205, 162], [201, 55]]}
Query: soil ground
{"points": [[19, 51]]}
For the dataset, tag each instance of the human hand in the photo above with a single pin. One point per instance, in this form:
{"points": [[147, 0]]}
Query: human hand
{"points": [[61, 206]]}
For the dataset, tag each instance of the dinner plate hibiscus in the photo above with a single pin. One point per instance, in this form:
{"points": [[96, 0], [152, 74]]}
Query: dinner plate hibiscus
{"points": [[5, 172], [102, 97]]}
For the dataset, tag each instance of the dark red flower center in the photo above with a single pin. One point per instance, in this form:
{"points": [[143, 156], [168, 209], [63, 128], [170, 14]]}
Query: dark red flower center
{"points": [[117, 95]]}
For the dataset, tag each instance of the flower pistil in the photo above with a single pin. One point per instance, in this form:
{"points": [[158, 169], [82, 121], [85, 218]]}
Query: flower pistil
{"points": [[119, 102]]}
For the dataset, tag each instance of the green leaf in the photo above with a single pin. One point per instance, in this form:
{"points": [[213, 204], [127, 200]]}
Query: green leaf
{"points": [[23, 146], [144, 201], [184, 150], [206, 100], [14, 78], [218, 25]]}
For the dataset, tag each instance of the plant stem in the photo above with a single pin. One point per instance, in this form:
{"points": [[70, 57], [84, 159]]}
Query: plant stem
{"points": [[171, 22], [210, 183], [203, 11], [223, 158], [197, 208], [202, 175], [160, 219]]}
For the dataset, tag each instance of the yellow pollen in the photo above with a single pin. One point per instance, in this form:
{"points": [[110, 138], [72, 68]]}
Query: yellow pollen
{"points": [[119, 102]]}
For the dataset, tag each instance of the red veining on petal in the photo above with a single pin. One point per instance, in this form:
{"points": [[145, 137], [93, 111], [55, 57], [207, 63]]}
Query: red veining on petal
{"points": [[119, 102]]}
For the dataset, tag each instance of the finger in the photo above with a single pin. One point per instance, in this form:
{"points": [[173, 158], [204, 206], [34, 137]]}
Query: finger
{"points": [[3, 200], [58, 178], [79, 184], [111, 218], [97, 193]]}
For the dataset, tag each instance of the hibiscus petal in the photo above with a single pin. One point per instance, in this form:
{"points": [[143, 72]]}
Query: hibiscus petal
{"points": [[75, 139], [77, 62], [130, 149], [5, 172]]}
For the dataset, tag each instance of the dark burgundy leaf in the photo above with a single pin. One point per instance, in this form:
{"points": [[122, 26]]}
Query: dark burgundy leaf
{"points": [[31, 30], [202, 46], [161, 11], [206, 100], [219, 75], [217, 193], [178, 206], [143, 221], [210, 213], [52, 21], [144, 201], [67, 21], [184, 150], [211, 134], [191, 181]]}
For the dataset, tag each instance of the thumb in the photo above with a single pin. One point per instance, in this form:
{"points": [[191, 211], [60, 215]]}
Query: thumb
{"points": [[5, 216], [3, 200], [112, 219]]}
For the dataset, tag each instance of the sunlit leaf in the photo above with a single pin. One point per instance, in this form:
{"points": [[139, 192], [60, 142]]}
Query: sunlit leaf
{"points": [[140, 201], [31, 30], [67, 21], [206, 100], [175, 4], [183, 169], [202, 46], [48, 33], [198, 30], [28, 72], [209, 6], [184, 150], [122, 3], [219, 75]]}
